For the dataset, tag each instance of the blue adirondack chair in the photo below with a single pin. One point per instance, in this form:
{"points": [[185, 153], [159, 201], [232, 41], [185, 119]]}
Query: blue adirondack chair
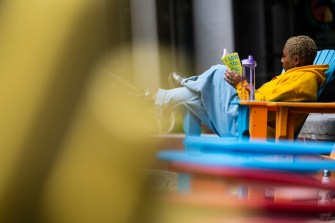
{"points": [[192, 125]]}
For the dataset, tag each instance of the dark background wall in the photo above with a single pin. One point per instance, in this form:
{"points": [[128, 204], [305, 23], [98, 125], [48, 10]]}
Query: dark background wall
{"points": [[260, 28], [176, 36]]}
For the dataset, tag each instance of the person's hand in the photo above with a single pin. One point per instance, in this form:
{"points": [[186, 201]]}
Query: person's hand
{"points": [[232, 77]]}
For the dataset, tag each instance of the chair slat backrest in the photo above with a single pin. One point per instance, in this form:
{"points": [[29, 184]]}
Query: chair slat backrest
{"points": [[326, 57]]}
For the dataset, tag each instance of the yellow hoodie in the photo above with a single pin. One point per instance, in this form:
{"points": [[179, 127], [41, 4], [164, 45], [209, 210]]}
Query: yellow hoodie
{"points": [[295, 85]]}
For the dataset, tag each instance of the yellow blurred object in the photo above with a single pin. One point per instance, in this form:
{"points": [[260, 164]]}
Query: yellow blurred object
{"points": [[100, 174], [72, 149]]}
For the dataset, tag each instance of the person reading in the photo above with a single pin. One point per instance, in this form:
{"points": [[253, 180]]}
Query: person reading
{"points": [[209, 95]]}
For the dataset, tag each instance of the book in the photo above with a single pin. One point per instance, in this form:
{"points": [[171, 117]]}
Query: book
{"points": [[232, 61]]}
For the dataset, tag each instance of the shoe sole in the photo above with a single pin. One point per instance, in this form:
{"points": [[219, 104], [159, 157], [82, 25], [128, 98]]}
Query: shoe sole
{"points": [[172, 83]]}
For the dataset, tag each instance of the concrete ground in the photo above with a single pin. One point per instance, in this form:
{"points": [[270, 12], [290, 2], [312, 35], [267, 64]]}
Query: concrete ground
{"points": [[318, 127]]}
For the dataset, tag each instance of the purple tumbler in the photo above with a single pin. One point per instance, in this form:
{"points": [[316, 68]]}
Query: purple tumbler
{"points": [[248, 74]]}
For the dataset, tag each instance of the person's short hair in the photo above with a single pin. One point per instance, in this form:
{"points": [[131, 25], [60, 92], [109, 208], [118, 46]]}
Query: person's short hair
{"points": [[302, 46]]}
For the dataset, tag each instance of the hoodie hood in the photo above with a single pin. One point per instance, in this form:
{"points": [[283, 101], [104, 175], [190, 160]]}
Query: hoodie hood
{"points": [[317, 70]]}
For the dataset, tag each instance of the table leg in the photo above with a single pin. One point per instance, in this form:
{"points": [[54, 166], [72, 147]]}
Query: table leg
{"points": [[284, 124], [258, 122]]}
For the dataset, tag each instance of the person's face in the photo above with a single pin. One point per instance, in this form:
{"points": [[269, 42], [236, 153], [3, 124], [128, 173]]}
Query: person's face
{"points": [[288, 61]]}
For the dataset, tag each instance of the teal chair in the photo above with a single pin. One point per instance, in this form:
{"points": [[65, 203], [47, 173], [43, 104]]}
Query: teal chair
{"points": [[326, 57]]}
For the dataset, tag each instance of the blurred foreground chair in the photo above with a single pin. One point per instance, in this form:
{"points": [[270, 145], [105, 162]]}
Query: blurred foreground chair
{"points": [[65, 149], [264, 176]]}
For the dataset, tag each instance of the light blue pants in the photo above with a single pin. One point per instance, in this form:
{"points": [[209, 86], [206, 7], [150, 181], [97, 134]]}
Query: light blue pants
{"points": [[207, 96]]}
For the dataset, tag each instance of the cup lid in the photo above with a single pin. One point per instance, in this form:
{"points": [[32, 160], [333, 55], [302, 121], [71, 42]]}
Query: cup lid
{"points": [[250, 61]]}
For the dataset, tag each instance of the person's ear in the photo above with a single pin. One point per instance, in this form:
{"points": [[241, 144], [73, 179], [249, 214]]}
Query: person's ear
{"points": [[296, 61]]}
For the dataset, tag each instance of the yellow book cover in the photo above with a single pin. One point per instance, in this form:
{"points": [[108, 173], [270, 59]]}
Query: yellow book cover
{"points": [[232, 61]]}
